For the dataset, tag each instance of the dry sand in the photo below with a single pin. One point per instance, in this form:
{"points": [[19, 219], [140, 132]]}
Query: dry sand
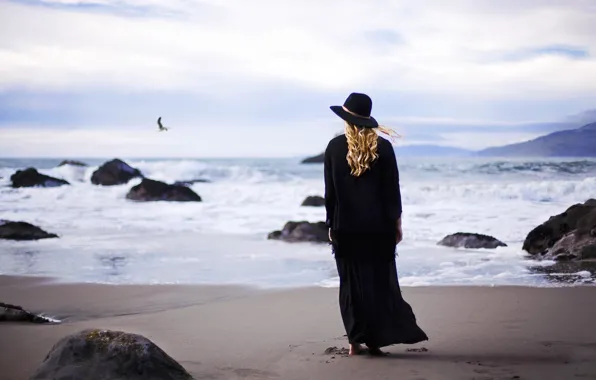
{"points": [[241, 333]]}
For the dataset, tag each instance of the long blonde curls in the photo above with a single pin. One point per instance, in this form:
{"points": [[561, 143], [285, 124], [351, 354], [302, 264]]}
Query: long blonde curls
{"points": [[362, 146]]}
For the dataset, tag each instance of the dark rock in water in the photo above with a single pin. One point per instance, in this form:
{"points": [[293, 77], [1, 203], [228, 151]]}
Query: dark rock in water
{"points": [[569, 272], [275, 235], [567, 236], [191, 182], [319, 159], [22, 231], [12, 313], [72, 162], [302, 232], [314, 201], [471, 240], [105, 354], [30, 177], [114, 172], [149, 190]]}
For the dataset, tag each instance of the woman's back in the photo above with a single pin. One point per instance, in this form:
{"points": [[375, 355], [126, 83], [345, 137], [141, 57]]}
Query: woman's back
{"points": [[370, 202], [363, 205]]}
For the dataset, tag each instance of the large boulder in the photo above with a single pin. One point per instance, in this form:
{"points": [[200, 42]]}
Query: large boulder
{"points": [[30, 177], [72, 162], [13, 313], [22, 231], [314, 201], [114, 172], [149, 190], [567, 236], [108, 355], [318, 159], [302, 232], [471, 241]]}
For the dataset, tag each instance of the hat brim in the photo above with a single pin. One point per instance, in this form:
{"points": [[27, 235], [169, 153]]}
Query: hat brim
{"points": [[367, 122]]}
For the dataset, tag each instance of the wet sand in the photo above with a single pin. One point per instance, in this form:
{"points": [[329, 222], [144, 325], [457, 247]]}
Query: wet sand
{"points": [[227, 332]]}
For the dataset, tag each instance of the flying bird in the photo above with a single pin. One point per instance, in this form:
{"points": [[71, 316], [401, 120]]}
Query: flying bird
{"points": [[161, 127]]}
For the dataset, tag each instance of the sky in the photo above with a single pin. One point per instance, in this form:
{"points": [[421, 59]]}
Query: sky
{"points": [[237, 78]]}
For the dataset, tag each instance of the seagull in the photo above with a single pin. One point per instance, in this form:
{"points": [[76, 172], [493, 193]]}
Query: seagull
{"points": [[161, 127]]}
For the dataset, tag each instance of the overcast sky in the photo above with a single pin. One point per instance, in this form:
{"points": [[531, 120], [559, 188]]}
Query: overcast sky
{"points": [[256, 78]]}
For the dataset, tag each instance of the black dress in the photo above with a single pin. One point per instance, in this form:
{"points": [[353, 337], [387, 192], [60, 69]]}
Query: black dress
{"points": [[362, 213]]}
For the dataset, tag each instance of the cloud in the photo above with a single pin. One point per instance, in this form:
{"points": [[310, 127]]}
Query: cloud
{"points": [[441, 49], [458, 72]]}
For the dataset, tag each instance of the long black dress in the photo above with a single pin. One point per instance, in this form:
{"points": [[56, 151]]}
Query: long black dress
{"points": [[362, 213]]}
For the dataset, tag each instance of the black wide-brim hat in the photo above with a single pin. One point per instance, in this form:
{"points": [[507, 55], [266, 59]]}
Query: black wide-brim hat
{"points": [[356, 110]]}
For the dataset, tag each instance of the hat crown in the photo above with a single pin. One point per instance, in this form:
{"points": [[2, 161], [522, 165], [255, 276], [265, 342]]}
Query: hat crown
{"points": [[360, 104]]}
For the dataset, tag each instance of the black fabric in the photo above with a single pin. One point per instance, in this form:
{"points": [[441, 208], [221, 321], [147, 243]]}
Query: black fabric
{"points": [[369, 203], [371, 304], [362, 245], [359, 107], [362, 213]]}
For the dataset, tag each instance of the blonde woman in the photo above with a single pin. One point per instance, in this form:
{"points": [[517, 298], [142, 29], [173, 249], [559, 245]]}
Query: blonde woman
{"points": [[363, 204]]}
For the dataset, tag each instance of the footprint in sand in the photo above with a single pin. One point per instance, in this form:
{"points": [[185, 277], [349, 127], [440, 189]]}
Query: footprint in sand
{"points": [[337, 351]]}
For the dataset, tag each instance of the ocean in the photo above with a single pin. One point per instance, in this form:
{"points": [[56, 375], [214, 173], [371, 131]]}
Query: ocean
{"points": [[223, 240]]}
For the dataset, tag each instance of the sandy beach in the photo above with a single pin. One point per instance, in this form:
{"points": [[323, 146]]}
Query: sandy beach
{"points": [[226, 332]]}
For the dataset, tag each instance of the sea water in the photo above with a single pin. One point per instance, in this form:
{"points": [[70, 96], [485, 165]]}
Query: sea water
{"points": [[223, 240]]}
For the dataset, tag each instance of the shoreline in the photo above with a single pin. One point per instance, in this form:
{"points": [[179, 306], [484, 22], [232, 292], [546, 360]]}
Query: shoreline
{"points": [[231, 332]]}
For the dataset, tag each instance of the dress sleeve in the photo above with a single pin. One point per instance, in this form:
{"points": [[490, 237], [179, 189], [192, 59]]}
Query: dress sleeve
{"points": [[391, 191], [329, 189]]}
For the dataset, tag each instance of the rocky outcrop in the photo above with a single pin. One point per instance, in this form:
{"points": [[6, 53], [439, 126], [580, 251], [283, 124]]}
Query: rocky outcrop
{"points": [[149, 190], [22, 231], [114, 172], [567, 236], [302, 232], [105, 354], [12, 313], [314, 201], [471, 241], [72, 162], [318, 159], [30, 177]]}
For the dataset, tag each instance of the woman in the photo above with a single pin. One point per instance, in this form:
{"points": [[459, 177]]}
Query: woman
{"points": [[363, 204]]}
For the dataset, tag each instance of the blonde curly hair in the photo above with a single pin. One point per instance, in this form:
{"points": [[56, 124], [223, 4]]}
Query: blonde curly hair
{"points": [[362, 146]]}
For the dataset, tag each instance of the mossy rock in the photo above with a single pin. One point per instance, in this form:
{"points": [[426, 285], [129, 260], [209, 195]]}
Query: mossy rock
{"points": [[108, 355]]}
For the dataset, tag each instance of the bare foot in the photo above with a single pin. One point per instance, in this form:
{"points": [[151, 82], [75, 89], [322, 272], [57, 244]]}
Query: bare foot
{"points": [[355, 349], [375, 351]]}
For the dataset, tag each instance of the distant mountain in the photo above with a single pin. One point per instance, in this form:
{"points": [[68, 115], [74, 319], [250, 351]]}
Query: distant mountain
{"points": [[318, 159], [580, 142], [410, 151], [431, 151]]}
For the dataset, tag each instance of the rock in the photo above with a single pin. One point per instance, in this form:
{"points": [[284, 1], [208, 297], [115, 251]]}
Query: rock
{"points": [[114, 172], [314, 201], [12, 313], [302, 232], [108, 355], [319, 159], [191, 182], [567, 271], [72, 162], [22, 231], [30, 177], [149, 190], [567, 236], [471, 240]]}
